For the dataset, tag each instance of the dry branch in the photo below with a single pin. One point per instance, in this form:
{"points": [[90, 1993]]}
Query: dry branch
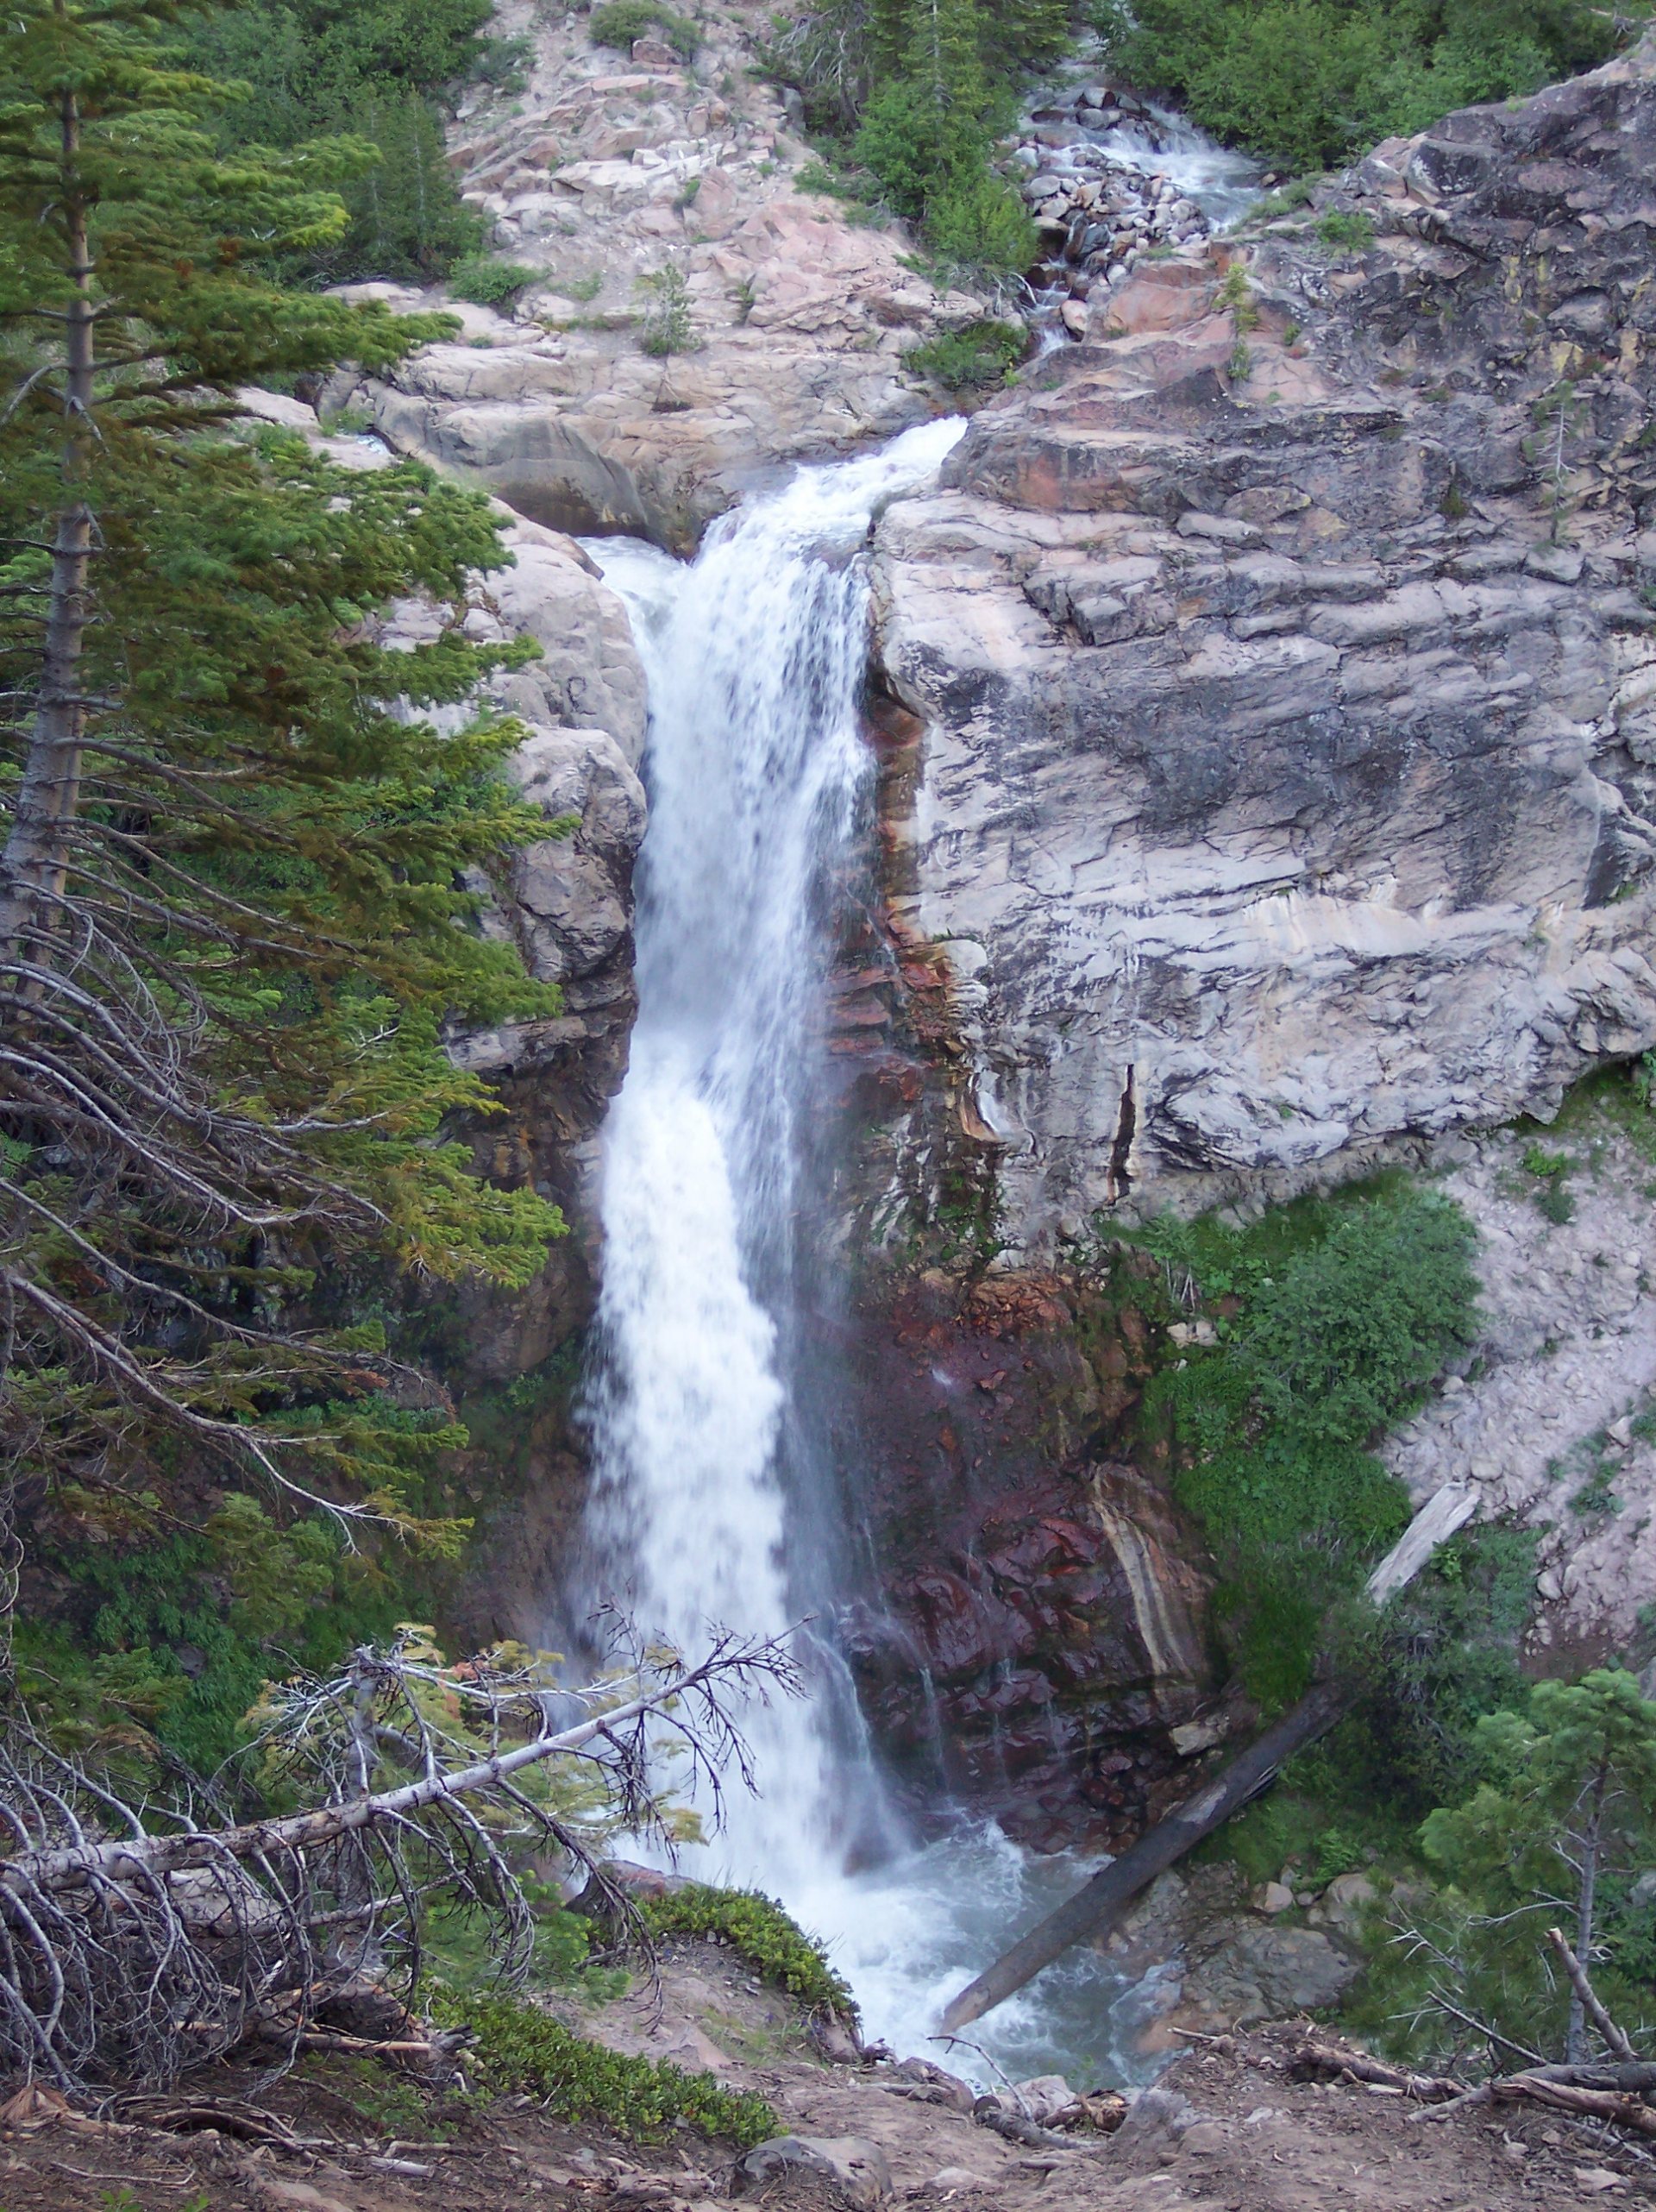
{"points": [[128, 1958], [1615, 2093]]}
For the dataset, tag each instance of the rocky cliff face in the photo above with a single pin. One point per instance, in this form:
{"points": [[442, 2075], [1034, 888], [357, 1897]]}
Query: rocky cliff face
{"points": [[1285, 659], [608, 173]]}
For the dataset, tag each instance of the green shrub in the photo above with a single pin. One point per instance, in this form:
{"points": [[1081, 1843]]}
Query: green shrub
{"points": [[521, 2050], [966, 361], [1333, 1318], [979, 222], [917, 147], [618, 22], [666, 327], [486, 283], [756, 1927], [1347, 233]]}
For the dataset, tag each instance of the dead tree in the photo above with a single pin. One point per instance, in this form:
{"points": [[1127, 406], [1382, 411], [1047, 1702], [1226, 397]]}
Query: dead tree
{"points": [[135, 1943]]}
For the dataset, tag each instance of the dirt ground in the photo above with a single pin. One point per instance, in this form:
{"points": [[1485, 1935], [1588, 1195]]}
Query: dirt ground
{"points": [[1226, 2129]]}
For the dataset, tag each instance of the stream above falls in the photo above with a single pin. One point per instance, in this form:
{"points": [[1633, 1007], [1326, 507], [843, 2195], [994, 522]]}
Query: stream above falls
{"points": [[717, 1497]]}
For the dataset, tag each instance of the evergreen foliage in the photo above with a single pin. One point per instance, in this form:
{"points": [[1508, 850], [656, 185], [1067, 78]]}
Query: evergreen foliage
{"points": [[358, 84], [1557, 1833], [1306, 83], [618, 22], [918, 92], [230, 915]]}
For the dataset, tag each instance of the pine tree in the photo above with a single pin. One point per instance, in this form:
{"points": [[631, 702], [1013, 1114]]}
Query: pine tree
{"points": [[230, 925]]}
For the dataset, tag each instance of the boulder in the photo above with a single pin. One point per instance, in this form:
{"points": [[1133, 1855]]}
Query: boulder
{"points": [[855, 2166]]}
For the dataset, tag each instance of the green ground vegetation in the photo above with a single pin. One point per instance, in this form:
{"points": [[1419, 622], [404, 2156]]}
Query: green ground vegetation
{"points": [[487, 282], [1308, 83], [976, 359], [1332, 1319], [520, 2049], [757, 1929]]}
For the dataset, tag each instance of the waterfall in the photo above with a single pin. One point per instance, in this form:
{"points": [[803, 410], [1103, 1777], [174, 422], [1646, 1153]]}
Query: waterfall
{"points": [[713, 1501]]}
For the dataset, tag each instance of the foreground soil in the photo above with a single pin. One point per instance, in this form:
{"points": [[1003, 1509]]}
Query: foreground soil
{"points": [[1226, 2129]]}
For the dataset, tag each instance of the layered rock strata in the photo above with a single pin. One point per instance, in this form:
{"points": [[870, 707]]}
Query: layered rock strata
{"points": [[1284, 655]]}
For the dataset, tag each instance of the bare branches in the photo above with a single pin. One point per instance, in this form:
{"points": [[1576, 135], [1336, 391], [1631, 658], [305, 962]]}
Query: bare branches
{"points": [[1613, 2094], [134, 1943]]}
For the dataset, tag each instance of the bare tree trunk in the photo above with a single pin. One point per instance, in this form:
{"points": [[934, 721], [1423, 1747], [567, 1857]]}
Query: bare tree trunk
{"points": [[1574, 2049], [36, 854], [355, 1948], [1617, 2041], [1100, 1901]]}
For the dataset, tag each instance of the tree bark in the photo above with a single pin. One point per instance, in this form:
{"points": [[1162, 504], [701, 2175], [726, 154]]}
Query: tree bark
{"points": [[1575, 2048], [36, 855]]}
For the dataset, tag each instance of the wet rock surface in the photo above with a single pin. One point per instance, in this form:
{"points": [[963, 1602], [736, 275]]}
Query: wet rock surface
{"points": [[1033, 1644], [1108, 178], [1284, 656]]}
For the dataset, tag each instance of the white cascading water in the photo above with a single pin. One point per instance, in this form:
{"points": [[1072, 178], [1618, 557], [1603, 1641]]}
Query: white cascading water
{"points": [[711, 1504]]}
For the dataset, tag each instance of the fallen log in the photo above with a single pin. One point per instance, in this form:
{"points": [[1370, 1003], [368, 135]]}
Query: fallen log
{"points": [[1100, 1903], [1113, 1887], [138, 1857], [1323, 2062]]}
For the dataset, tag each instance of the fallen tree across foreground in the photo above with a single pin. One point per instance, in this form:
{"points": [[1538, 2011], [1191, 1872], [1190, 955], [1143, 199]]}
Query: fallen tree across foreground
{"points": [[136, 1944]]}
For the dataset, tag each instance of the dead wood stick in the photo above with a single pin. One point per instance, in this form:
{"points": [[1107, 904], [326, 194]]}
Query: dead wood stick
{"points": [[1326, 2061], [133, 1856], [1563, 2097], [1614, 2039]]}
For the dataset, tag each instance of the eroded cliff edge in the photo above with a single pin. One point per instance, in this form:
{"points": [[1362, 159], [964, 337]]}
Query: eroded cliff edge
{"points": [[1284, 660]]}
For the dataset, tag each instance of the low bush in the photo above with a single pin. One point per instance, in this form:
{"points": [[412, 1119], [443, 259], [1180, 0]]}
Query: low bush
{"points": [[1346, 234], [979, 222], [486, 283], [518, 2050], [969, 360], [618, 22], [1332, 1317], [666, 327], [757, 1928]]}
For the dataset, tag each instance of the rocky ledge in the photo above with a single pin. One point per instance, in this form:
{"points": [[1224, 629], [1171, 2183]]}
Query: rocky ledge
{"points": [[608, 174], [1286, 661]]}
